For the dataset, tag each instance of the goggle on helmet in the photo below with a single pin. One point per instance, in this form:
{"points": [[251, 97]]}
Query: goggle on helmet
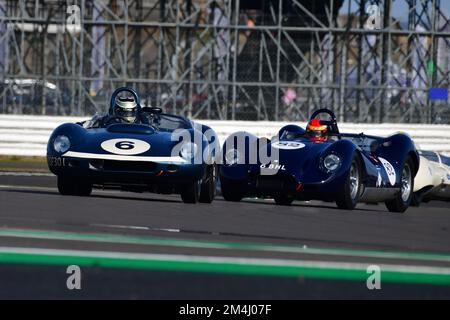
{"points": [[126, 108], [316, 131]]}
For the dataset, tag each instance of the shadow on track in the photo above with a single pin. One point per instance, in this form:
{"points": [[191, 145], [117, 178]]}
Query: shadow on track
{"points": [[307, 205], [98, 196], [247, 201]]}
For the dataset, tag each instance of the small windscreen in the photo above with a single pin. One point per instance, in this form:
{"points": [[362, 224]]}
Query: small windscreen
{"points": [[168, 123], [291, 135], [367, 144]]}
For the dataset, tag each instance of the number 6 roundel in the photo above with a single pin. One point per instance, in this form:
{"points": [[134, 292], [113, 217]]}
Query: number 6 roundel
{"points": [[125, 146]]}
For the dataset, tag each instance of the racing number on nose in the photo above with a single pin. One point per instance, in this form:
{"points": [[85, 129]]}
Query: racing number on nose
{"points": [[125, 145]]}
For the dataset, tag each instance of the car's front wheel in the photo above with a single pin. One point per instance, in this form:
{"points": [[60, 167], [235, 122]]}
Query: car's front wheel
{"points": [[403, 199], [232, 190], [349, 194], [69, 186], [283, 200], [208, 187]]}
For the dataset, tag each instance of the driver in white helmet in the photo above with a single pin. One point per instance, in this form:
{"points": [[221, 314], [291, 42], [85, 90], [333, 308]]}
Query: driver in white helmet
{"points": [[125, 110]]}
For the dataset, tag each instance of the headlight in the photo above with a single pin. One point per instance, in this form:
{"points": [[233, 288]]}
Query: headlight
{"points": [[331, 162], [61, 144], [188, 150], [232, 157]]}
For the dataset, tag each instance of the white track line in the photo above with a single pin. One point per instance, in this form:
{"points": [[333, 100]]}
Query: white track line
{"points": [[26, 188], [115, 226], [226, 260], [26, 174]]}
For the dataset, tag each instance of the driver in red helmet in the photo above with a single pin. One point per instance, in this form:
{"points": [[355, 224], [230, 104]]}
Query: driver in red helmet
{"points": [[316, 131]]}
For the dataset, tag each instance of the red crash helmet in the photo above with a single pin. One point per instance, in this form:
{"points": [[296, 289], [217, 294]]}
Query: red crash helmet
{"points": [[316, 131]]}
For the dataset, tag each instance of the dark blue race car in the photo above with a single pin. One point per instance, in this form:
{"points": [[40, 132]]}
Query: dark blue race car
{"points": [[135, 149], [327, 165]]}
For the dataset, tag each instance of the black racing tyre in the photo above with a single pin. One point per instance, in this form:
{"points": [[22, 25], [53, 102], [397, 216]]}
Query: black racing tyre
{"points": [[68, 186], [65, 186], [350, 192], [403, 199], [283, 200], [232, 190], [84, 189], [416, 199], [208, 187], [190, 192]]}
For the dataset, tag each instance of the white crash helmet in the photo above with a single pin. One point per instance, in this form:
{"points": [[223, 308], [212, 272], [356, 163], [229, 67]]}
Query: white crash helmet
{"points": [[126, 109]]}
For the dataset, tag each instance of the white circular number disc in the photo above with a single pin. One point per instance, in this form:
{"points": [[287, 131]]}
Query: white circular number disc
{"points": [[125, 146], [390, 171], [288, 145]]}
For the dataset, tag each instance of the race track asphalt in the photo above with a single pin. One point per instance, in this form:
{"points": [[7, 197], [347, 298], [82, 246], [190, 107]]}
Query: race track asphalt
{"points": [[42, 231]]}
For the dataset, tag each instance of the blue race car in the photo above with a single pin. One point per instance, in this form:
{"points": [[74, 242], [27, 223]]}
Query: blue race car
{"points": [[135, 149], [320, 163]]}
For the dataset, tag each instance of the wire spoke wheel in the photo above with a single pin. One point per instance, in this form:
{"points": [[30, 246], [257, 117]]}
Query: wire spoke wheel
{"points": [[354, 180], [405, 196], [406, 182], [348, 195]]}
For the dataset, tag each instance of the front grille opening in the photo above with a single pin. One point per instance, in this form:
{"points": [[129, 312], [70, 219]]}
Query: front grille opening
{"points": [[97, 164], [262, 183], [276, 182], [74, 163], [128, 166]]}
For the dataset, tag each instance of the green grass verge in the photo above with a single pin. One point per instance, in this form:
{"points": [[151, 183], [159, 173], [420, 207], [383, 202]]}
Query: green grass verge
{"points": [[23, 164], [199, 264], [6, 158]]}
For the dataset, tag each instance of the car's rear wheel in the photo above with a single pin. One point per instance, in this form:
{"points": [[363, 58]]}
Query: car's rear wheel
{"points": [[232, 190], [69, 186], [190, 192], [349, 194], [283, 200], [403, 199], [208, 187]]}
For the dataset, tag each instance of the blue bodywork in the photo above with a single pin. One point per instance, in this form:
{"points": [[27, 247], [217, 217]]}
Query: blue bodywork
{"points": [[299, 170], [155, 169]]}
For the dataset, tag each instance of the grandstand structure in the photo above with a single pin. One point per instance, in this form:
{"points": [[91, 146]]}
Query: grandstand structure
{"points": [[369, 61]]}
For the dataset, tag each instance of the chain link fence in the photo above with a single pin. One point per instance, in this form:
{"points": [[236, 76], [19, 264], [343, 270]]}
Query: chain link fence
{"points": [[369, 61]]}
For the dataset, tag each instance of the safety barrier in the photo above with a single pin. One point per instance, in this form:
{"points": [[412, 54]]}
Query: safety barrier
{"points": [[28, 135]]}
